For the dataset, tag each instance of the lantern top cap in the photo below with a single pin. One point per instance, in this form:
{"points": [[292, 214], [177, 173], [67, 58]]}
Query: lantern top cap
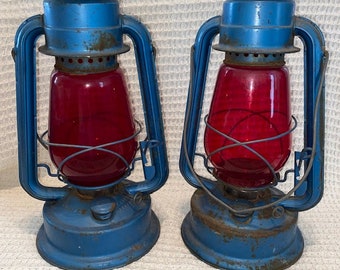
{"points": [[264, 26], [82, 28]]}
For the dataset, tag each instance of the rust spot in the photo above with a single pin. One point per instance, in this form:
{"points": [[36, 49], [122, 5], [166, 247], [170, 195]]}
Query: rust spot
{"points": [[103, 40], [226, 40], [137, 247], [83, 211], [216, 223], [91, 194], [266, 213]]}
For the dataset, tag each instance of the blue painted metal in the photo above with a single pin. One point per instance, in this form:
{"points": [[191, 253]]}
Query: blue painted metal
{"points": [[315, 58], [257, 26], [210, 230], [82, 28], [97, 231], [145, 54], [108, 226], [25, 62], [199, 68], [260, 240]]}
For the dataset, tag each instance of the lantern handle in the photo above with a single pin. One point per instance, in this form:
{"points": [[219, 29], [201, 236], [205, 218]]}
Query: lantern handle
{"points": [[145, 59], [200, 54], [25, 69], [309, 189]]}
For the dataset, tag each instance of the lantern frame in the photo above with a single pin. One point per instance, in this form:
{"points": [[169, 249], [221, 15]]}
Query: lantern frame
{"points": [[237, 230], [87, 228]]}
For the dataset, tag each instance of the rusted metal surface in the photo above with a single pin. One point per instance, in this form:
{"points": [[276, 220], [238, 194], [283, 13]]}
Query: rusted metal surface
{"points": [[215, 220], [266, 239], [102, 41], [85, 65], [254, 59]]}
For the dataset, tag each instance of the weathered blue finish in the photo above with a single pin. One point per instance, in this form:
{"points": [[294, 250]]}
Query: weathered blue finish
{"points": [[25, 63], [107, 226], [156, 171], [108, 230], [253, 241], [257, 26], [315, 60], [199, 68], [82, 28], [210, 230]]}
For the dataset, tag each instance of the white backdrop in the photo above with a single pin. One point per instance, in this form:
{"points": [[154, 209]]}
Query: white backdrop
{"points": [[173, 26]]}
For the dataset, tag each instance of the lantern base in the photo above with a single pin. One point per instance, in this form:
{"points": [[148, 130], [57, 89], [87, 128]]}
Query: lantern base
{"points": [[102, 230], [265, 239]]}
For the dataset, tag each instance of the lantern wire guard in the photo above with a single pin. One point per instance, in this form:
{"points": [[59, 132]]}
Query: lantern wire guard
{"points": [[201, 180], [235, 227], [86, 148], [89, 224]]}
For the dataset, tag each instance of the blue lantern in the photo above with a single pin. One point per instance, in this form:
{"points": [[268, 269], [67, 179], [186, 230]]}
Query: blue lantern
{"points": [[238, 218], [100, 219]]}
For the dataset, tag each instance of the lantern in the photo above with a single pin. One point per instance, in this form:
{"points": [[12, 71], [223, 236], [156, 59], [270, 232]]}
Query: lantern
{"points": [[239, 219], [100, 219]]}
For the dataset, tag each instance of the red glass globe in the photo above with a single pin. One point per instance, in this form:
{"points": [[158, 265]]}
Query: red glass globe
{"points": [[249, 103], [91, 110]]}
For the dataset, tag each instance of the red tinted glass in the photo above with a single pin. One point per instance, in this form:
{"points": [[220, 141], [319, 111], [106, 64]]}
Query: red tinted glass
{"points": [[249, 103], [91, 110]]}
